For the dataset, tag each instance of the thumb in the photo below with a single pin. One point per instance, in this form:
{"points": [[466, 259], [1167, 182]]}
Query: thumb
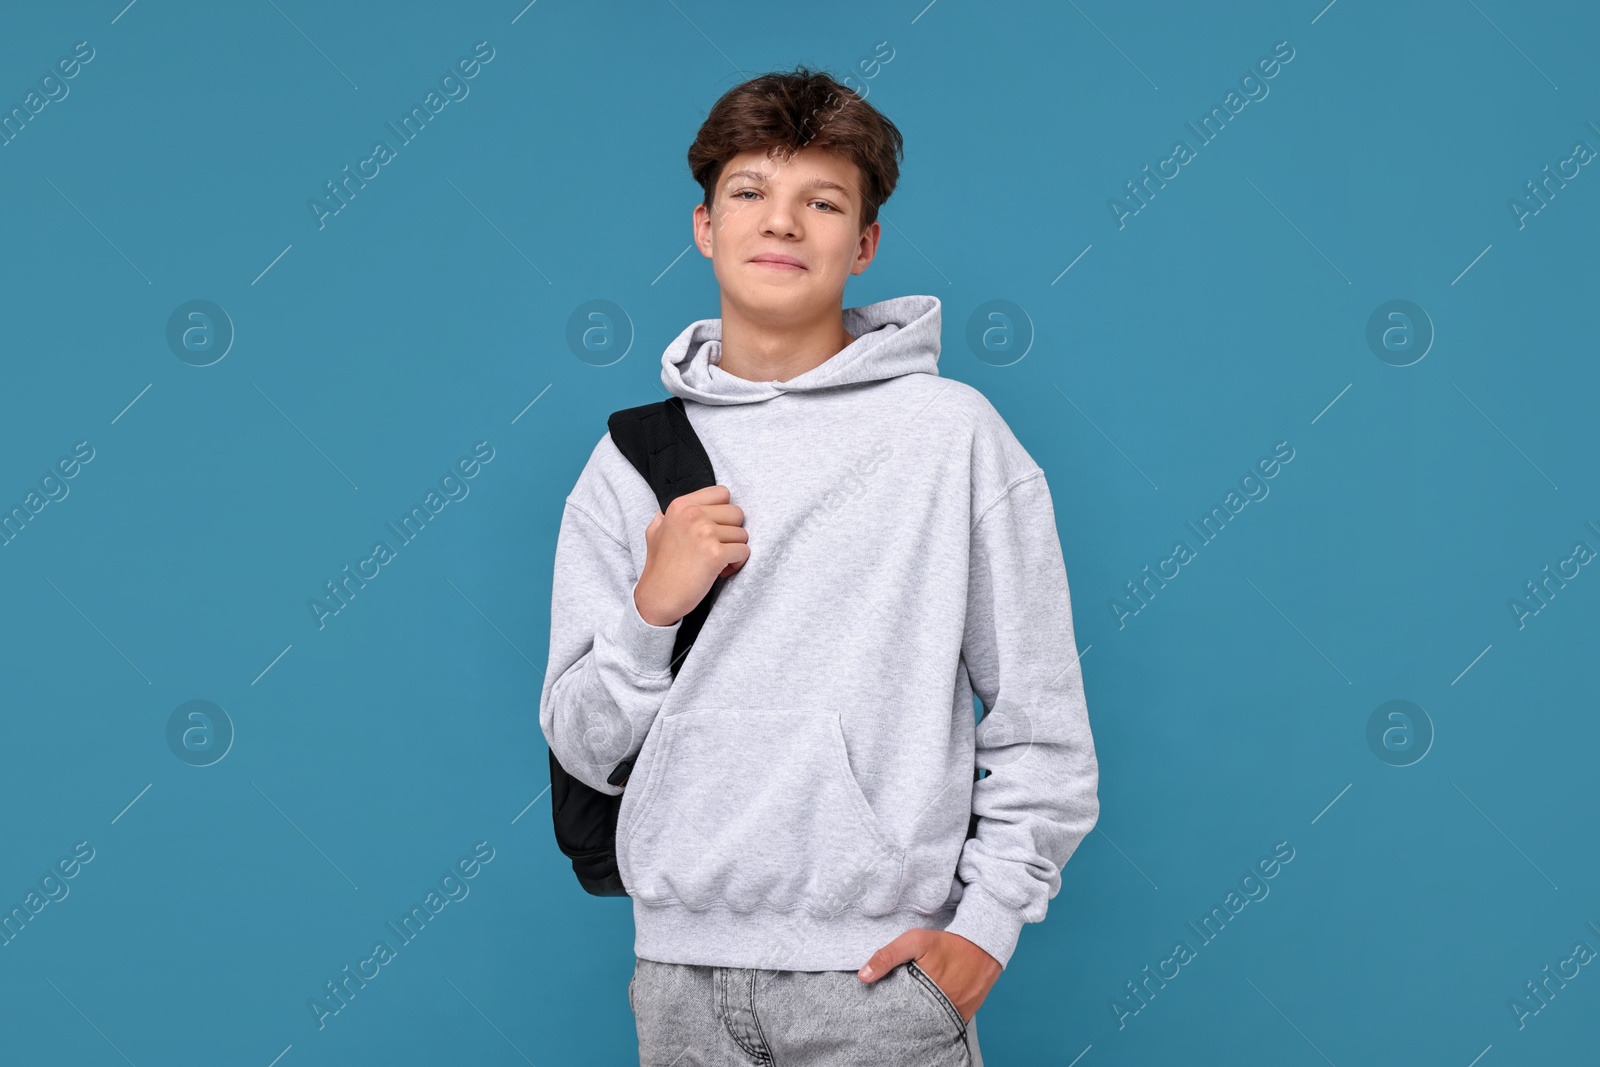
{"points": [[908, 946]]}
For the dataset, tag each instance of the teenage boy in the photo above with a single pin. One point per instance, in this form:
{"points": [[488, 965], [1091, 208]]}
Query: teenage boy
{"points": [[818, 873]]}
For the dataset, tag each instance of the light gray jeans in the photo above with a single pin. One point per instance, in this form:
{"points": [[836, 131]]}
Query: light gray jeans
{"points": [[689, 1015]]}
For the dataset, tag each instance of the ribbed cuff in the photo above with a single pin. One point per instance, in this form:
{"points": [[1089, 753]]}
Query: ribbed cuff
{"points": [[645, 649], [988, 923]]}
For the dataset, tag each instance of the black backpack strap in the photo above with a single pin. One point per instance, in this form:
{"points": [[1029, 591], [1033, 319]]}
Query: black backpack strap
{"points": [[662, 445]]}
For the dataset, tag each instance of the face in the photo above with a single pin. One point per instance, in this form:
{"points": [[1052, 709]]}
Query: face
{"points": [[807, 209]]}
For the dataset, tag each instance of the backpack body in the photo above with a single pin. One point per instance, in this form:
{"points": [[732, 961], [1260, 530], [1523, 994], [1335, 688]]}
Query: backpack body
{"points": [[661, 444]]}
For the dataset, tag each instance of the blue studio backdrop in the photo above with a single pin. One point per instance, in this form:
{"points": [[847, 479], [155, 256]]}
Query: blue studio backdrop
{"points": [[1286, 298]]}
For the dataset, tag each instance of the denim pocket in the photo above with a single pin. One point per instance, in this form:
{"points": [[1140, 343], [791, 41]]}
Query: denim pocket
{"points": [[937, 994], [757, 808]]}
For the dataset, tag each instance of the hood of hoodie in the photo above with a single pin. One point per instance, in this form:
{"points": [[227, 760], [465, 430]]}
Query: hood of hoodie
{"points": [[892, 337]]}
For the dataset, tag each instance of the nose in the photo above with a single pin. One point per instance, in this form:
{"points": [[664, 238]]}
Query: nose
{"points": [[778, 221]]}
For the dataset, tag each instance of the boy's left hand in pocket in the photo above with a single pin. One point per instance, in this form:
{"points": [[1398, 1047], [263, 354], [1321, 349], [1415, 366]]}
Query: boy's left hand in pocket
{"points": [[964, 971]]}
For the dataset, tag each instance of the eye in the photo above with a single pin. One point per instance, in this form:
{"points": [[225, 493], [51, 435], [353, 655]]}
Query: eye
{"points": [[741, 193], [825, 204]]}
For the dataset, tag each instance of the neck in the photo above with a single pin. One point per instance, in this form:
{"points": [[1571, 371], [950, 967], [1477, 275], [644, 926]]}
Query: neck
{"points": [[762, 349]]}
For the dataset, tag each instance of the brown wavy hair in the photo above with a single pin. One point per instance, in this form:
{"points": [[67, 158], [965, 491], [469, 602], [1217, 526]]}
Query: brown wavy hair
{"points": [[785, 111]]}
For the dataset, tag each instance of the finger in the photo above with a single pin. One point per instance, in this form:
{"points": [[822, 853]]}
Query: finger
{"points": [[890, 956], [735, 555], [711, 494], [724, 514]]}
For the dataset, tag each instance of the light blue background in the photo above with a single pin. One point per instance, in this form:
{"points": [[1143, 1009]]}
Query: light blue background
{"points": [[1229, 314]]}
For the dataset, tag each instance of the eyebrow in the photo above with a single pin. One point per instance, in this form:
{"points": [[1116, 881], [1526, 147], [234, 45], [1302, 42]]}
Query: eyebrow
{"points": [[761, 179]]}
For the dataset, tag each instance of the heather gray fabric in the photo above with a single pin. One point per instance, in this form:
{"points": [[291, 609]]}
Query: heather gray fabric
{"points": [[689, 1015], [802, 790]]}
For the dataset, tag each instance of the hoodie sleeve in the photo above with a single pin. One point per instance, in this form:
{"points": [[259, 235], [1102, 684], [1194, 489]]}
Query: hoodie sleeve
{"points": [[609, 669], [1039, 798]]}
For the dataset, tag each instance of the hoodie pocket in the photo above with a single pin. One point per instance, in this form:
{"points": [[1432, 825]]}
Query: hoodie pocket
{"points": [[757, 808]]}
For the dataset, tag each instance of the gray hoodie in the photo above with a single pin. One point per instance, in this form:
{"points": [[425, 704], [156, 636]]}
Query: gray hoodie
{"points": [[804, 790]]}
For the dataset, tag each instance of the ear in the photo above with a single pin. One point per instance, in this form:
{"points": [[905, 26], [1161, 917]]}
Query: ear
{"points": [[701, 223], [867, 248]]}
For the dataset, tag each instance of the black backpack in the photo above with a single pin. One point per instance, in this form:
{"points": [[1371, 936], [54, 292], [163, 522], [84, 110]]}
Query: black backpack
{"points": [[658, 440]]}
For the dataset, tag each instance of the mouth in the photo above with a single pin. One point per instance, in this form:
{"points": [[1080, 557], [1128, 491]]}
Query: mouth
{"points": [[775, 262]]}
